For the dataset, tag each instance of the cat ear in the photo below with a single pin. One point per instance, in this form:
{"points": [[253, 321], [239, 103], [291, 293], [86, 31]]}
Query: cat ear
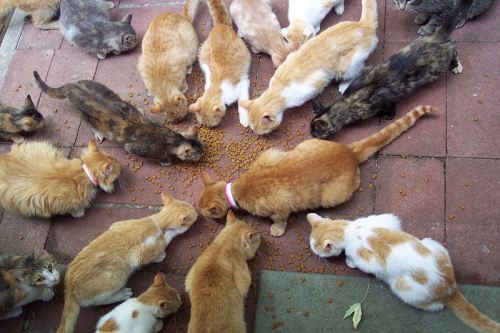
{"points": [[254, 237], [178, 100], [166, 198], [206, 179], [214, 210], [244, 103], [284, 32], [93, 146], [129, 39], [28, 103], [127, 19], [267, 118], [314, 219], [194, 108], [159, 280], [40, 253], [230, 218], [184, 220]]}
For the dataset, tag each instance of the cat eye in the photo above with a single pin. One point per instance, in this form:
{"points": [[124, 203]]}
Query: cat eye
{"points": [[40, 279], [109, 167], [49, 267]]}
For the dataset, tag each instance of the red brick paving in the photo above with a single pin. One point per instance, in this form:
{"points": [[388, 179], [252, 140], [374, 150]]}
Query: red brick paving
{"points": [[446, 188]]}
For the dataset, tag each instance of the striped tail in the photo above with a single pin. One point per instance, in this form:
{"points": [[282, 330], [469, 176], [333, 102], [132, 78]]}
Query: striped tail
{"points": [[369, 14], [366, 148], [52, 92], [190, 8], [219, 12]]}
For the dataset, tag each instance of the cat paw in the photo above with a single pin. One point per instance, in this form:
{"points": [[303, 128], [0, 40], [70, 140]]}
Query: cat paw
{"points": [[78, 213], [278, 230], [461, 24], [160, 258], [48, 294], [425, 30], [166, 163], [350, 263], [123, 294], [421, 19], [339, 10], [110, 4], [254, 50], [458, 69], [343, 86], [189, 69]]}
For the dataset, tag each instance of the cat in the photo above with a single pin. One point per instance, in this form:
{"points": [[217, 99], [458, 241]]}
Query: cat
{"points": [[14, 123], [433, 14], [225, 62], [379, 88], [316, 173], [258, 24], [87, 24], [219, 280], [112, 118], [25, 279], [305, 18], [98, 274], [337, 53], [419, 272], [38, 180], [169, 49], [143, 314], [42, 12]]}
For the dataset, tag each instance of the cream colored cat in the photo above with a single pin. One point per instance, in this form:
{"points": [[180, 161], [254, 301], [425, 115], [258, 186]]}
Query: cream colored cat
{"points": [[419, 272], [169, 49], [225, 61], [338, 53], [98, 274], [42, 12]]}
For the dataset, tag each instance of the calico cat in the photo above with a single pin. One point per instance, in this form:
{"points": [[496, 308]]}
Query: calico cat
{"points": [[305, 18], [219, 280], [316, 173], [87, 24], [143, 314], [258, 24], [98, 274], [337, 53], [42, 12], [419, 272], [169, 49], [225, 62], [112, 118], [433, 14], [36, 179], [14, 123], [379, 88], [25, 279]]}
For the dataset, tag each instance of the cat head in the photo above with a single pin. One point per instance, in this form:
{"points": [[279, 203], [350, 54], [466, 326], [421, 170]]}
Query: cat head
{"points": [[261, 120], [174, 107], [213, 202], [321, 125], [188, 147], [208, 110], [242, 236], [327, 236], [176, 214], [298, 32], [164, 299], [105, 168], [403, 4], [119, 38], [28, 119], [40, 270]]}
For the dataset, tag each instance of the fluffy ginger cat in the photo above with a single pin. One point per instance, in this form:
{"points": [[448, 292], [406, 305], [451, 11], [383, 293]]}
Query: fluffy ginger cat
{"points": [[169, 49], [258, 24], [225, 62], [143, 314], [316, 173], [220, 278], [36, 179], [419, 272], [42, 12], [98, 274], [337, 53], [305, 18]]}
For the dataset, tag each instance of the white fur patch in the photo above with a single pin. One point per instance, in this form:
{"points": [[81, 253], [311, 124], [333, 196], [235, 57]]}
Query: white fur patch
{"points": [[206, 71], [312, 11], [132, 316], [243, 114], [231, 93], [297, 93], [149, 241], [358, 62], [170, 234]]}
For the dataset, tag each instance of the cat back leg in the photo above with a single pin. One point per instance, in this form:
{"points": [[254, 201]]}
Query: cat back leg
{"points": [[477, 8], [422, 18], [158, 326], [121, 295], [14, 312], [435, 21], [78, 212], [279, 224], [42, 19]]}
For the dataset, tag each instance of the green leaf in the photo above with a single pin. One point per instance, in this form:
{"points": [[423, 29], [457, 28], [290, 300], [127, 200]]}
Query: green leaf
{"points": [[352, 309], [357, 317]]}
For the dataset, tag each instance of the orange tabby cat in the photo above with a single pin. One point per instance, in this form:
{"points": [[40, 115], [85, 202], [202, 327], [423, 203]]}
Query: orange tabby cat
{"points": [[316, 173], [219, 280], [338, 53], [98, 274], [169, 49], [36, 179], [225, 61], [42, 12]]}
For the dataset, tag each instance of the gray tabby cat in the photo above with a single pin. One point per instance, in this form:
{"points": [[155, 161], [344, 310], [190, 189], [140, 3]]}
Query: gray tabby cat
{"points": [[87, 24], [433, 13], [25, 279]]}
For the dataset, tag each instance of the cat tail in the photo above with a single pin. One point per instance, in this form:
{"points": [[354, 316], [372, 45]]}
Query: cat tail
{"points": [[52, 92], [470, 315], [5, 9], [70, 312], [369, 14], [219, 12], [367, 147], [190, 8]]}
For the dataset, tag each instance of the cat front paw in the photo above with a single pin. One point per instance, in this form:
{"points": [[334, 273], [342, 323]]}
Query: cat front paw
{"points": [[160, 258], [426, 30], [78, 212], [48, 294], [458, 69], [350, 263], [421, 19], [339, 10], [278, 229]]}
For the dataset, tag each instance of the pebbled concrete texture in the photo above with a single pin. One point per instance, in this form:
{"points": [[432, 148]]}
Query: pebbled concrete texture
{"points": [[441, 177]]}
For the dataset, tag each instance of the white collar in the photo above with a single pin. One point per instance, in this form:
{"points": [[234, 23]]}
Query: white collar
{"points": [[89, 173], [229, 196]]}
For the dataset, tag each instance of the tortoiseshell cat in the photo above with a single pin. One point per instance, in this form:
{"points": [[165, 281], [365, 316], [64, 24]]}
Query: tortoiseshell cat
{"points": [[379, 88], [116, 120], [87, 24], [16, 122], [25, 279]]}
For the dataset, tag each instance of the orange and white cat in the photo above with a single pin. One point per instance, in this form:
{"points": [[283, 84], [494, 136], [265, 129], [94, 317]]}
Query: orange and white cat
{"points": [[169, 49], [225, 62], [338, 53], [316, 173], [258, 24], [419, 272], [98, 274], [42, 12], [37, 179], [220, 278], [143, 314]]}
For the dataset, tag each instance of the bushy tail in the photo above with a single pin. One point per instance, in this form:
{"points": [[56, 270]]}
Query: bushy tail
{"points": [[219, 12], [470, 315], [366, 148], [52, 92], [369, 15], [71, 310], [190, 8]]}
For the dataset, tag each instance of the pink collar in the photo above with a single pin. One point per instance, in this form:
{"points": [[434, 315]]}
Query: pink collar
{"points": [[229, 196], [94, 180]]}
